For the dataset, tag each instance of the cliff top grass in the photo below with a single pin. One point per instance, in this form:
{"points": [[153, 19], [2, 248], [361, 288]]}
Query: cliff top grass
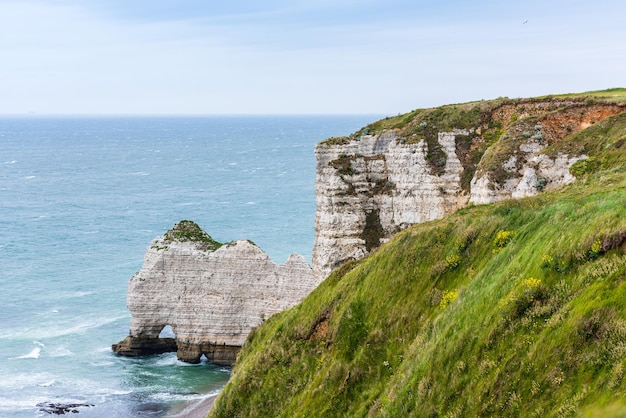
{"points": [[612, 95], [189, 231], [472, 114], [477, 113], [516, 309]]}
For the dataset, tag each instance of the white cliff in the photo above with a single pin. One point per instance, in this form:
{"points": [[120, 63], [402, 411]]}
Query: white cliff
{"points": [[370, 186], [211, 297]]}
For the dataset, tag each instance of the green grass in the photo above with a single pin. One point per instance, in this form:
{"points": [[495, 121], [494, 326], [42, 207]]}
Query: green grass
{"points": [[512, 310], [616, 94], [190, 231], [374, 339]]}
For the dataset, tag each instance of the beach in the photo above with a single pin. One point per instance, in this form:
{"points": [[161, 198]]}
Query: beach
{"points": [[196, 409]]}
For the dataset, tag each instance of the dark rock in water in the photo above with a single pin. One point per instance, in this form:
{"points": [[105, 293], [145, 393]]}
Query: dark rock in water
{"points": [[220, 354], [138, 346], [62, 408]]}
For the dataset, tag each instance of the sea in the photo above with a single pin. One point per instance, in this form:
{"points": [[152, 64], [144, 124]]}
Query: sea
{"points": [[81, 198]]}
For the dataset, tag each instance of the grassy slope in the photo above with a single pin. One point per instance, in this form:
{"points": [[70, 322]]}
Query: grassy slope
{"points": [[515, 309]]}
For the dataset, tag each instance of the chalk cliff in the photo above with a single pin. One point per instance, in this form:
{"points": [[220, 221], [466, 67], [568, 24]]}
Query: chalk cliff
{"points": [[211, 295], [425, 164], [375, 185]]}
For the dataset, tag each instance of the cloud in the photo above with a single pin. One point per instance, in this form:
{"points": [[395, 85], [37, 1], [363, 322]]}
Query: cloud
{"points": [[283, 57]]}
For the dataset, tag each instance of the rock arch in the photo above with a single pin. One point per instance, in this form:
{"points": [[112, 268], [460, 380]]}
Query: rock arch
{"points": [[211, 295]]}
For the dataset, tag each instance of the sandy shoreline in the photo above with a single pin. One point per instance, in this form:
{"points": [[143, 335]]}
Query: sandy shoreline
{"points": [[198, 409]]}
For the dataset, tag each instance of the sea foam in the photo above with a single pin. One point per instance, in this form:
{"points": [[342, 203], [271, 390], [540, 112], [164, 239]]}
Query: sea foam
{"points": [[35, 353]]}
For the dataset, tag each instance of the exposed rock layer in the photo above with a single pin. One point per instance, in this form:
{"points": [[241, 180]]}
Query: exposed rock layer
{"points": [[211, 295], [370, 186]]}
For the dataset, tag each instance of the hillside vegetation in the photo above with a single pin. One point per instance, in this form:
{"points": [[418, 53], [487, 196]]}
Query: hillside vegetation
{"points": [[512, 309]]}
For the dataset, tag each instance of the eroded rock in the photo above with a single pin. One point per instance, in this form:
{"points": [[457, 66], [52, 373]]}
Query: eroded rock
{"points": [[210, 294]]}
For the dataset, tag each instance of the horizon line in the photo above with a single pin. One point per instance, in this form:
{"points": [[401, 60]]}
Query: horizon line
{"points": [[174, 115]]}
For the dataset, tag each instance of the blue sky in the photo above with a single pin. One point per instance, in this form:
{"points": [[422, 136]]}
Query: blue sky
{"points": [[287, 57]]}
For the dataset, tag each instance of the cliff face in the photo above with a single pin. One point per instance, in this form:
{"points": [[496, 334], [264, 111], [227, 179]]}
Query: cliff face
{"points": [[211, 295], [372, 187], [424, 165]]}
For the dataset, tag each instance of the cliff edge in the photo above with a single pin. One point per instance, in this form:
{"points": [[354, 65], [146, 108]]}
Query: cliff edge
{"points": [[211, 294], [428, 163]]}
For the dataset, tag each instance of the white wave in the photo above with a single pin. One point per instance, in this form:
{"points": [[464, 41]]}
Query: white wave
{"points": [[101, 363], [10, 162], [250, 203], [46, 384], [34, 354], [82, 327], [59, 330], [30, 177], [116, 392], [76, 294], [24, 380], [12, 405], [139, 173], [170, 359], [60, 352], [170, 396]]}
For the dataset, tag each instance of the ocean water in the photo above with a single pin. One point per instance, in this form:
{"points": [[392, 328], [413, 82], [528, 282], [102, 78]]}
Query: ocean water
{"points": [[80, 201]]}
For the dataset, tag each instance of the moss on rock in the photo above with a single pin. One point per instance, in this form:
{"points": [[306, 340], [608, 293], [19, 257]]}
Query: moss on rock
{"points": [[185, 231]]}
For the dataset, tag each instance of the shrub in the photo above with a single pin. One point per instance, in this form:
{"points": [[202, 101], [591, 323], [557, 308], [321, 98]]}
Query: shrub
{"points": [[547, 261], [541, 183], [582, 167], [447, 297], [534, 292], [502, 239], [453, 261], [596, 250]]}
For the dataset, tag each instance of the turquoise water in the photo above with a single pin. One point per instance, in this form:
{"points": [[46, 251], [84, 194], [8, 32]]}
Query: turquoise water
{"points": [[81, 199]]}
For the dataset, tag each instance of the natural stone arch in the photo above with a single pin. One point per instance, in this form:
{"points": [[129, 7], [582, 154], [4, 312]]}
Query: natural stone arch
{"points": [[212, 295]]}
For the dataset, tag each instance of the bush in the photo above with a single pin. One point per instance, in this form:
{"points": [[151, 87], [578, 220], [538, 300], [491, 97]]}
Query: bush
{"points": [[453, 261], [534, 292], [447, 297], [582, 167], [501, 240]]}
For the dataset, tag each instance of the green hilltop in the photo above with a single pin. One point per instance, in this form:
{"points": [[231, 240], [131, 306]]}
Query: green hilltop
{"points": [[516, 309]]}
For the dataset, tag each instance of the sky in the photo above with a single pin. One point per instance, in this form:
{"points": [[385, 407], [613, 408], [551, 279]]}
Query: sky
{"points": [[385, 57]]}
